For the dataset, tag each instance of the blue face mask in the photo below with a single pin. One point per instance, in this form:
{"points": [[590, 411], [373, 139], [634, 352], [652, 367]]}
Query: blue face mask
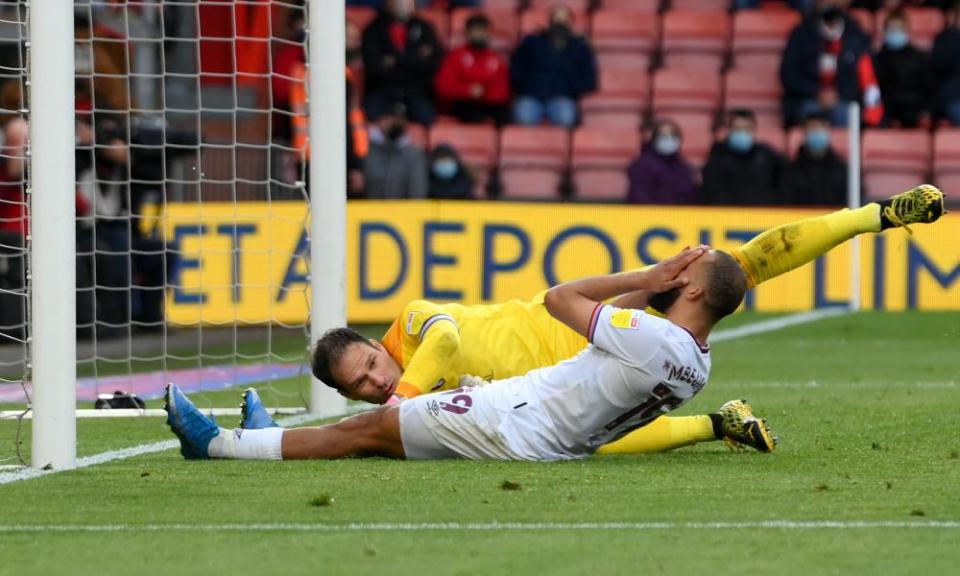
{"points": [[740, 140], [666, 145], [896, 39], [817, 140], [445, 168]]}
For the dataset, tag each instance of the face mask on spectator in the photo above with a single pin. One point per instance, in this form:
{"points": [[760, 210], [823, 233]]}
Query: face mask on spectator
{"points": [[817, 141], [666, 144], [560, 31], [479, 41], [740, 140], [401, 9], [445, 168], [831, 23], [396, 132], [896, 39]]}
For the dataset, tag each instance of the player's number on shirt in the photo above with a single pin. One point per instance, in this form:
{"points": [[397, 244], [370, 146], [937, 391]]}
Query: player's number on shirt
{"points": [[460, 403], [654, 406]]}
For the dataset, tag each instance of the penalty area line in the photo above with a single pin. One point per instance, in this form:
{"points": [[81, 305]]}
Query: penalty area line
{"points": [[490, 526], [762, 327]]}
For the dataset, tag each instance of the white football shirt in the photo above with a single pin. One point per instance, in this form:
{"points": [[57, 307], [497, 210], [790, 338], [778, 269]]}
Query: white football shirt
{"points": [[638, 367]]}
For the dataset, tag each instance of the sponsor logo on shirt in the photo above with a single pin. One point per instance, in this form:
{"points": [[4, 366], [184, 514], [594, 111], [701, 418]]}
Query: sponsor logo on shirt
{"points": [[625, 319]]}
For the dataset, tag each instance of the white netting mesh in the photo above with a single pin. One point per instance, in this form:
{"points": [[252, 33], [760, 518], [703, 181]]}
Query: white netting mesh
{"points": [[183, 121]]}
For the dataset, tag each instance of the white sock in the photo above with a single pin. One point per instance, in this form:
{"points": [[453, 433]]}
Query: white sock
{"points": [[240, 444]]}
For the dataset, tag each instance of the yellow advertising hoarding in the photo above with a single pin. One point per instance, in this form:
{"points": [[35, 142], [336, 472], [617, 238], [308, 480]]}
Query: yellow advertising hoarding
{"points": [[247, 262]]}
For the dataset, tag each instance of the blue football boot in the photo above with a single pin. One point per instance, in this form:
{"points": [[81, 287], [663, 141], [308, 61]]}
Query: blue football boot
{"points": [[253, 415], [194, 430]]}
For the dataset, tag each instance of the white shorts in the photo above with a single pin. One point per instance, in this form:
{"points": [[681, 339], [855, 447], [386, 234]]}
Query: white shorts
{"points": [[497, 422]]}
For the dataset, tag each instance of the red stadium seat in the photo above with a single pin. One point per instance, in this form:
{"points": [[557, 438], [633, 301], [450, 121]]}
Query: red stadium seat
{"points": [[476, 143], [946, 159], [839, 140], [536, 20], [418, 135], [538, 146], [772, 135], [762, 31], [574, 5], [894, 161], [604, 147], [505, 25], [601, 185], [622, 94], [533, 160], [360, 16], [649, 6], [686, 90], [763, 62], [440, 22], [925, 24], [946, 149], [621, 30], [697, 40], [882, 185], [700, 5], [758, 90], [624, 60], [891, 150], [600, 160], [500, 5], [523, 184]]}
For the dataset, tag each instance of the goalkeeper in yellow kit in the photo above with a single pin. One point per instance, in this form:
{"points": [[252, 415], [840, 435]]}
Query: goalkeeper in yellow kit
{"points": [[430, 346]]}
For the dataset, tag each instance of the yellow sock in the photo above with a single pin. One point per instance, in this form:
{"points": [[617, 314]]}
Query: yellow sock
{"points": [[786, 247], [664, 433]]}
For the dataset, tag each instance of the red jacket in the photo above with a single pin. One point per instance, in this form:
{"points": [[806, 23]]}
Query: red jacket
{"points": [[464, 67]]}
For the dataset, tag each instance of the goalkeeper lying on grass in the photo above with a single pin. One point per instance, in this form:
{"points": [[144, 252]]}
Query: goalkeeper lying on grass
{"points": [[429, 346]]}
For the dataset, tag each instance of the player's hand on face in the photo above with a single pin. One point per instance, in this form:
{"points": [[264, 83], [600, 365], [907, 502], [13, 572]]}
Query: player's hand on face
{"points": [[669, 274]]}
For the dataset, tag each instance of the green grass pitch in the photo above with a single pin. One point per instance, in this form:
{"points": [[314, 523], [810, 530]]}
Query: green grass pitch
{"points": [[866, 407]]}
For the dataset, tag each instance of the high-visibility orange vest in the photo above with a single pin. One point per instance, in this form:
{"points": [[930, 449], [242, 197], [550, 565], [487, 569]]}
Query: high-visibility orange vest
{"points": [[300, 114]]}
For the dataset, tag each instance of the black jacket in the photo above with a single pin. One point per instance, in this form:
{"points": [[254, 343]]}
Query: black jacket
{"points": [[800, 67], [412, 70], [811, 181], [946, 67], [906, 83], [750, 179]]}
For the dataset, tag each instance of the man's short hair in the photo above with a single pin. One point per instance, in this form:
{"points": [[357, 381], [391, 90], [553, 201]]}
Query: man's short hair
{"points": [[726, 286], [477, 20], [328, 351], [744, 113]]}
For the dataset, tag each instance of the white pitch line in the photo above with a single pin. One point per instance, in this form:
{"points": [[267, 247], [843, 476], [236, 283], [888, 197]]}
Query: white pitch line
{"points": [[779, 323], [490, 526], [762, 327], [104, 457]]}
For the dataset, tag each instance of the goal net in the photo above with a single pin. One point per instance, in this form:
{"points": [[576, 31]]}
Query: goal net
{"points": [[192, 226]]}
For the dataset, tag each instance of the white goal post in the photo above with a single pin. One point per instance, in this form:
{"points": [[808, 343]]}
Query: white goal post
{"points": [[51, 188]]}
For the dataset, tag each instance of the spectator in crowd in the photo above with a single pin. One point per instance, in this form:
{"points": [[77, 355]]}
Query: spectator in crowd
{"points": [[826, 65], [550, 71], [401, 54], [394, 168], [946, 66], [13, 215], [100, 62], [905, 76], [741, 171], [660, 174], [817, 176], [358, 144], [473, 83], [450, 179], [353, 39]]}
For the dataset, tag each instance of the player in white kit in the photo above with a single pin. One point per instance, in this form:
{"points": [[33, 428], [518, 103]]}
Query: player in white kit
{"points": [[637, 367]]}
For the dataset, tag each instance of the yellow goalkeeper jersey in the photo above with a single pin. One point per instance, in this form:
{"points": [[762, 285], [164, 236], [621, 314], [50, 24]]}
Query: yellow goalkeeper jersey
{"points": [[437, 343]]}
